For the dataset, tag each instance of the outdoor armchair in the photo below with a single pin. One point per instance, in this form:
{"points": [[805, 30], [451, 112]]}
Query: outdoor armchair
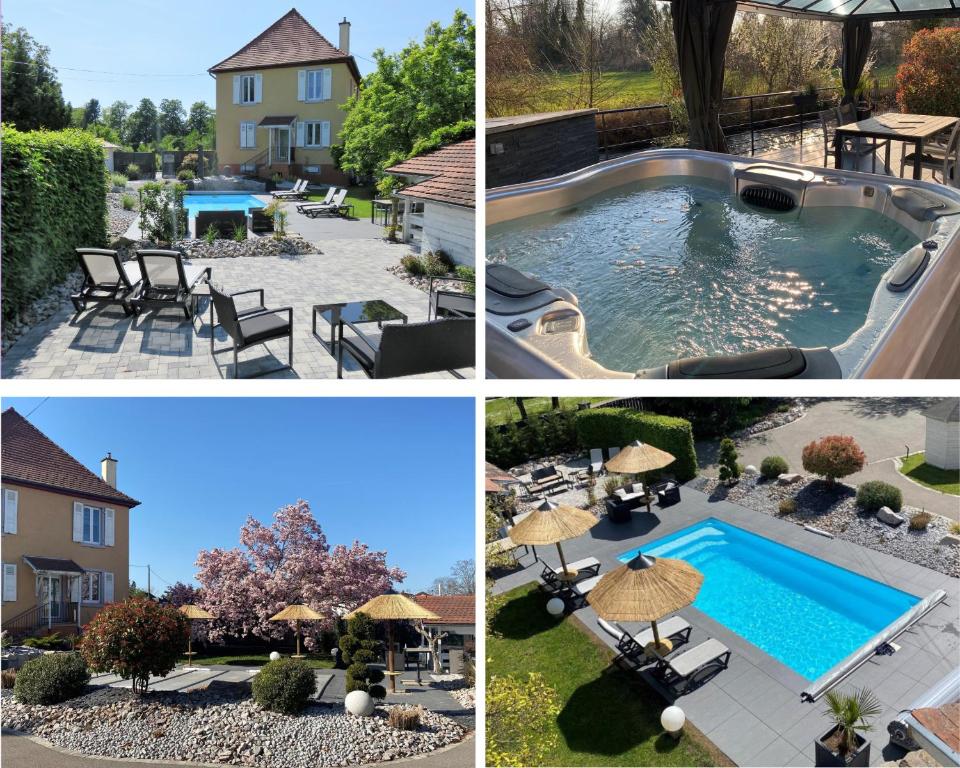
{"points": [[249, 327], [668, 492], [410, 349], [445, 303], [167, 281], [106, 280]]}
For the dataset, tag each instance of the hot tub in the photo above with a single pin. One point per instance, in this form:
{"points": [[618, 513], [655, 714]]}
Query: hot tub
{"points": [[688, 264]]}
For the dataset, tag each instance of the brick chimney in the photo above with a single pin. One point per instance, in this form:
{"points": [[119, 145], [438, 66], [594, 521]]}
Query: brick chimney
{"points": [[108, 470], [345, 35]]}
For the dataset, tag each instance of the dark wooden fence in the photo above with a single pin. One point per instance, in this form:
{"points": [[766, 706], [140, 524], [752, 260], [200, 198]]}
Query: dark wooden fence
{"points": [[146, 161]]}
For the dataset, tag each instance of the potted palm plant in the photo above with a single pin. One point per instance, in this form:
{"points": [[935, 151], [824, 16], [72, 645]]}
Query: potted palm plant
{"points": [[843, 745]]}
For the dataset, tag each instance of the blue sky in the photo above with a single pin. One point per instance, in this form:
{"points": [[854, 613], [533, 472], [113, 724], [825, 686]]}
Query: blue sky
{"points": [[396, 473], [139, 45]]}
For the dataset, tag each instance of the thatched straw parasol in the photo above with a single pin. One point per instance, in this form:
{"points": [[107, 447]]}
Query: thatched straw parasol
{"points": [[296, 614], [646, 589], [552, 523], [390, 608], [638, 458], [193, 612]]}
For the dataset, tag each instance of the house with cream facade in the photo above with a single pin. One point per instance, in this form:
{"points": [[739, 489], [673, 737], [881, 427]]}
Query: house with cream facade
{"points": [[279, 99], [66, 533]]}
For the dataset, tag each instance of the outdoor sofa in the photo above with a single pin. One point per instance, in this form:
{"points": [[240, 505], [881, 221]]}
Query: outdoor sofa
{"points": [[632, 493], [251, 326], [167, 281], [633, 647], [585, 568], [680, 670], [106, 280], [546, 479]]}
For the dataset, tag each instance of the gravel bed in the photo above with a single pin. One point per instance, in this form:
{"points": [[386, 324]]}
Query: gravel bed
{"points": [[423, 283], [466, 697], [223, 726], [119, 220], [253, 246], [774, 420], [834, 509]]}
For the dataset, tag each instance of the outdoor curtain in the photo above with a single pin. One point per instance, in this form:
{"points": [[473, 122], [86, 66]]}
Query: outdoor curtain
{"points": [[856, 48], [702, 31]]}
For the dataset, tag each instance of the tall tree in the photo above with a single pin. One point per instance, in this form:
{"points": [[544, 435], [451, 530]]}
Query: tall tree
{"points": [[172, 118], [32, 96], [91, 113], [182, 594], [200, 118], [141, 126], [284, 563], [115, 115], [461, 581]]}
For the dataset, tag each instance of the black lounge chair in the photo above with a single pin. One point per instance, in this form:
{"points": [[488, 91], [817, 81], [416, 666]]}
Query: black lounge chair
{"points": [[682, 669], [585, 568], [249, 327], [167, 281], [407, 350], [445, 303], [106, 280], [633, 647]]}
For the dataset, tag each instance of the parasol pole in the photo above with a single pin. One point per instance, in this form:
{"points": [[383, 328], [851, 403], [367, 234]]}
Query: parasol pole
{"points": [[563, 562], [393, 679]]}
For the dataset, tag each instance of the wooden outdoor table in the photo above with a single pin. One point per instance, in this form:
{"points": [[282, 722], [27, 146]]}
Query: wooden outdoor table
{"points": [[910, 129]]}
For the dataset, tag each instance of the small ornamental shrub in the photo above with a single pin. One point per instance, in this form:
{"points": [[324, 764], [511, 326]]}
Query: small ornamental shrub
{"points": [[920, 521], [467, 274], [412, 264], [833, 457], [427, 265], [132, 171], [51, 678], [875, 494], [955, 529], [773, 466], [211, 234], [186, 175], [163, 217], [729, 468], [928, 79], [118, 180], [359, 648], [135, 639], [469, 670], [405, 718], [284, 685], [7, 678], [788, 507], [520, 713], [52, 642], [128, 202], [239, 233], [189, 163]]}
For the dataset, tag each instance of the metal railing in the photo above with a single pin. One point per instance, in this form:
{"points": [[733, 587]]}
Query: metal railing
{"points": [[42, 615]]}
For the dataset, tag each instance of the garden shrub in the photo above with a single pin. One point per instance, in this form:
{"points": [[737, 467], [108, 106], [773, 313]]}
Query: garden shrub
{"points": [[8, 677], [833, 457], [605, 427], [135, 639], [52, 642], [51, 679], [920, 521], [875, 494], [132, 171], [158, 204], [211, 234], [520, 713], [54, 200], [788, 507], [928, 79], [239, 233], [284, 685], [118, 180], [405, 718], [186, 175], [773, 466], [729, 468], [469, 670], [359, 649], [127, 202], [427, 265], [189, 163], [467, 273], [543, 435]]}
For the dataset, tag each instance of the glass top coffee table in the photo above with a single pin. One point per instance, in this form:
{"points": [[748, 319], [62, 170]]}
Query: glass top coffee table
{"points": [[353, 313]]}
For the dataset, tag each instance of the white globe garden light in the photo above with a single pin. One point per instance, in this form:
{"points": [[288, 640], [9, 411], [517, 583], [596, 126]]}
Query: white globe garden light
{"points": [[555, 606], [274, 656], [672, 720], [359, 703]]}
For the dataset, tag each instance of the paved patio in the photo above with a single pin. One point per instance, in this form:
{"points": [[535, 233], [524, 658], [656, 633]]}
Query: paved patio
{"points": [[752, 711], [104, 343]]}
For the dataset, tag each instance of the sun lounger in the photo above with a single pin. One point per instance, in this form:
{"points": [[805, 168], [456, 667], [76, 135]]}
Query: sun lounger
{"points": [[167, 281], [331, 191], [633, 646], [612, 452], [285, 194], [106, 280], [596, 461], [682, 668], [579, 590], [334, 207], [588, 566]]}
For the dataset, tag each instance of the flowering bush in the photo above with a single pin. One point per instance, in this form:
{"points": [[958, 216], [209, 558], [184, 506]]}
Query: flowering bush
{"points": [[135, 639], [519, 713], [928, 80], [833, 456]]}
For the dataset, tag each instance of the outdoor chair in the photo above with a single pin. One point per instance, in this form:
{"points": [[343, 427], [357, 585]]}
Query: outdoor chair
{"points": [[668, 492], [106, 280], [333, 208], [617, 511], [331, 191], [633, 647], [414, 348], [596, 461], [298, 191], [937, 157], [546, 479], [829, 120], [612, 452], [682, 669], [588, 566], [444, 303], [250, 327], [167, 281]]}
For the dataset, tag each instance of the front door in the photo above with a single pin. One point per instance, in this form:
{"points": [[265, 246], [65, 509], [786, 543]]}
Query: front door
{"points": [[281, 145], [50, 597]]}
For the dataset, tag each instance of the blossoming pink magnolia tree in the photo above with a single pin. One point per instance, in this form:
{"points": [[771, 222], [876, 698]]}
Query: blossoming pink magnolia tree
{"points": [[281, 564]]}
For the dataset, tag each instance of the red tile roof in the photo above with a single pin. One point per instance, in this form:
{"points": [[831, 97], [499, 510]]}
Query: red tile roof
{"points": [[451, 173], [29, 457], [288, 41], [452, 609]]}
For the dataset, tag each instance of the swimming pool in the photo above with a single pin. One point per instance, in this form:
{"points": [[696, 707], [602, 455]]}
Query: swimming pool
{"points": [[219, 201], [802, 611]]}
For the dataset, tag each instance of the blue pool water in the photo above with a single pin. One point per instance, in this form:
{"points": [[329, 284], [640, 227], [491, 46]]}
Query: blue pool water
{"points": [[214, 202], [805, 612]]}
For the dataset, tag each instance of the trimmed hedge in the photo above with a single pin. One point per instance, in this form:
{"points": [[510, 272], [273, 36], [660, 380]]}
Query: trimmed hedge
{"points": [[543, 435], [51, 679], [773, 466], [284, 685], [54, 187], [874, 494], [606, 427]]}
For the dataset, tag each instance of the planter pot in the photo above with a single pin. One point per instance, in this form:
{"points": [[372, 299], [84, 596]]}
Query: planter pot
{"points": [[864, 110], [826, 756], [806, 103]]}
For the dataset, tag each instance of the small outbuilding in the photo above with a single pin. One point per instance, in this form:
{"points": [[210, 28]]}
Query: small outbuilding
{"points": [[108, 150], [438, 206], [942, 446]]}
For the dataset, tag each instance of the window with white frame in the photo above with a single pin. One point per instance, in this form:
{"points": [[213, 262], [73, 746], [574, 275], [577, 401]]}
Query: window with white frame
{"points": [[248, 89], [90, 587], [248, 135], [316, 133], [314, 85], [92, 525]]}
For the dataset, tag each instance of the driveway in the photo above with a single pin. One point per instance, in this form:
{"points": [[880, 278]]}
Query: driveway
{"points": [[885, 428]]}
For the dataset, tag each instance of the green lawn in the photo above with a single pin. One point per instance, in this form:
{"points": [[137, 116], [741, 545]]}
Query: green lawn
{"points": [[943, 480], [608, 716], [503, 410], [359, 197], [255, 660]]}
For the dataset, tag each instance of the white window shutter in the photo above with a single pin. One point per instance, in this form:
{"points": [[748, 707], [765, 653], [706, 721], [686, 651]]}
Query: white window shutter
{"points": [[302, 85], [75, 588], [11, 499], [301, 128], [77, 521], [257, 88], [108, 530], [10, 582], [107, 587], [327, 83], [236, 89], [325, 133]]}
